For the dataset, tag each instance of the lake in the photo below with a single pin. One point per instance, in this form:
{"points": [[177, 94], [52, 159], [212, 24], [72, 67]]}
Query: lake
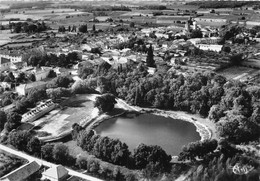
{"points": [[170, 134]]}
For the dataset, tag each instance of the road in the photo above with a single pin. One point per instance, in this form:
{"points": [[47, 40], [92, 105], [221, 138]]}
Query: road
{"points": [[47, 164]]}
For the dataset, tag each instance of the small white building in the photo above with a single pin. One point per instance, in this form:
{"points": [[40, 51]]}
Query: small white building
{"points": [[216, 48], [57, 173]]}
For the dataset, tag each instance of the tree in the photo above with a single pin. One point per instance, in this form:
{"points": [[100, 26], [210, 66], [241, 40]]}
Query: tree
{"points": [[13, 121], [60, 81], [149, 59], [35, 95], [132, 25], [94, 28], [236, 59], [196, 34], [60, 153], [23, 105], [58, 93], [32, 28], [11, 76], [61, 29], [226, 49], [83, 29], [82, 163], [32, 77], [144, 155], [52, 74], [19, 139], [105, 103], [34, 146], [47, 151], [21, 77], [237, 128], [3, 120]]}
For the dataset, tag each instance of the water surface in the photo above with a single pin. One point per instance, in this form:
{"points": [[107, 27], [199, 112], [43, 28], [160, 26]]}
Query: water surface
{"points": [[170, 134]]}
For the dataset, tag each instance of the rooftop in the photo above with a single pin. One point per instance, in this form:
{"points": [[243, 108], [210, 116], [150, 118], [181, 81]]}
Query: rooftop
{"points": [[4, 60], [22, 172], [56, 172]]}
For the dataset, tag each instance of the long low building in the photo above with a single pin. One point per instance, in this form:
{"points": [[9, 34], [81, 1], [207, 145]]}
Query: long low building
{"points": [[216, 48], [37, 112]]}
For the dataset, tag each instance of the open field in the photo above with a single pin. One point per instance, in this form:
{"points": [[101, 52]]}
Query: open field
{"points": [[239, 73], [43, 14], [58, 121]]}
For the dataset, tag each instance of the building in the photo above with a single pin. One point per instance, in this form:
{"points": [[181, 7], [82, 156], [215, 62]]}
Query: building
{"points": [[57, 173], [37, 112], [22, 172], [212, 40], [41, 73], [23, 89], [216, 48], [13, 58], [18, 65], [5, 64]]}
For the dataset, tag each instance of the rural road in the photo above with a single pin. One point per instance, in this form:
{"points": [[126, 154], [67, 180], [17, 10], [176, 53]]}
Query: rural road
{"points": [[45, 163]]}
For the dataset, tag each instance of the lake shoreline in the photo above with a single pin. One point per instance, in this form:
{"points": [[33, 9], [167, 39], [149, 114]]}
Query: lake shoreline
{"points": [[205, 127]]}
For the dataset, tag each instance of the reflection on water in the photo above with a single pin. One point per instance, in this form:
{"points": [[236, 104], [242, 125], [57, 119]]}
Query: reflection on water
{"points": [[170, 134]]}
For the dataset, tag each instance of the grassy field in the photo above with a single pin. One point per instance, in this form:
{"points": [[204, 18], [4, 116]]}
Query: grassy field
{"points": [[74, 110]]}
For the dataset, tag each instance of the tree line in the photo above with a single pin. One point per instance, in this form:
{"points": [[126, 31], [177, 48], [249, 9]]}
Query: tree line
{"points": [[54, 60], [28, 27], [116, 152]]}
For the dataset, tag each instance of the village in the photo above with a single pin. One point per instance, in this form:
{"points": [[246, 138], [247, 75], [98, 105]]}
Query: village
{"points": [[52, 60]]}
